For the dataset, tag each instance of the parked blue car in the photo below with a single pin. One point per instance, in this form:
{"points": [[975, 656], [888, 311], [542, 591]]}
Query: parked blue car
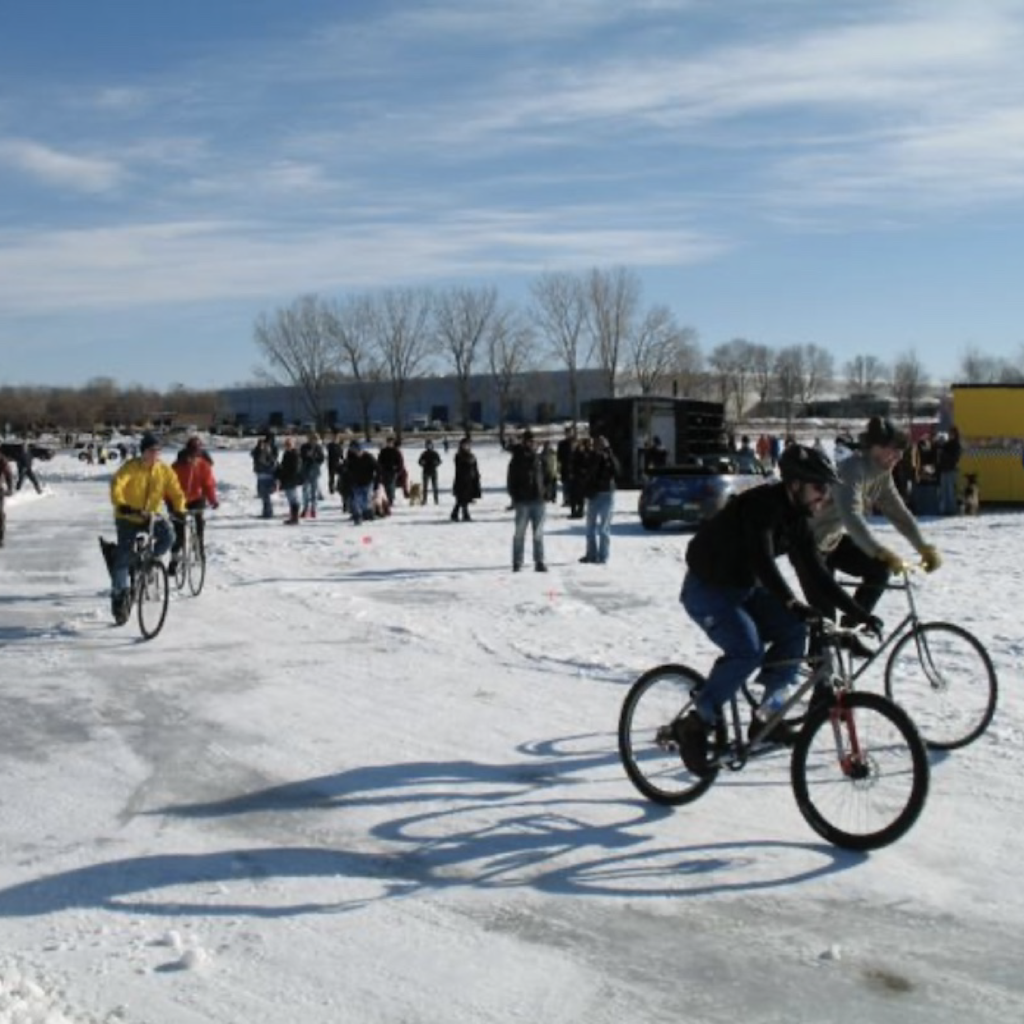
{"points": [[695, 489]]}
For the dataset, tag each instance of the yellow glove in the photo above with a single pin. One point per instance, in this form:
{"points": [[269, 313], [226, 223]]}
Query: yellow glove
{"points": [[930, 558], [893, 562]]}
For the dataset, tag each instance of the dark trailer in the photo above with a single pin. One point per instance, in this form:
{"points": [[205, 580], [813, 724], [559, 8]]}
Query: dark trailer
{"points": [[686, 426]]}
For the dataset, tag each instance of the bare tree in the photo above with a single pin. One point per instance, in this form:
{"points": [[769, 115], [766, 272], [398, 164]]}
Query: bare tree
{"points": [[511, 350], [762, 369], [908, 381], [400, 321], [976, 368], [612, 298], [864, 375], [351, 325], [299, 347], [819, 369], [656, 350], [789, 374], [732, 366], [462, 319], [559, 312]]}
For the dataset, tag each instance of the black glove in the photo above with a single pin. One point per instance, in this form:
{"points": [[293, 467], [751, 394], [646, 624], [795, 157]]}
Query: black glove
{"points": [[804, 612], [127, 510]]}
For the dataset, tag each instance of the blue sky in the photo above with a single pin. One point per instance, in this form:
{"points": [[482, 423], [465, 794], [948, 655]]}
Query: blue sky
{"points": [[787, 171]]}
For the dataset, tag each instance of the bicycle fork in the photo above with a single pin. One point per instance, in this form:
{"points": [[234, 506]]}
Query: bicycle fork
{"points": [[850, 754]]}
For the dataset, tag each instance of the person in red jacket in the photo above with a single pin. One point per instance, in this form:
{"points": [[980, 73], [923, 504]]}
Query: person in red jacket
{"points": [[194, 469]]}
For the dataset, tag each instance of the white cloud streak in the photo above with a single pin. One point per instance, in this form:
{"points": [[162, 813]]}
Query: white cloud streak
{"points": [[64, 170]]}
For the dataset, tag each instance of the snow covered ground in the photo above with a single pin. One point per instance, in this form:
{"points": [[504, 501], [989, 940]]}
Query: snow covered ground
{"points": [[370, 775]]}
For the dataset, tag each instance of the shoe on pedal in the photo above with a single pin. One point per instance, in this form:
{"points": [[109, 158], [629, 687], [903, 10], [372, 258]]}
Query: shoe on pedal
{"points": [[691, 734], [783, 733], [855, 645]]}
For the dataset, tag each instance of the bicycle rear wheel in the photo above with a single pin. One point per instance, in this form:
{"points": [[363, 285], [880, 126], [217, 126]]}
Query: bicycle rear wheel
{"points": [[860, 772], [196, 564], [152, 594], [944, 679], [648, 750]]}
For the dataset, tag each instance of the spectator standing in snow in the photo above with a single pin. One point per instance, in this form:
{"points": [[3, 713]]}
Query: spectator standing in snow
{"points": [[390, 467], [335, 454], [6, 487], [25, 470], [429, 460], [362, 475], [600, 492], [311, 455], [290, 480], [264, 465], [466, 484], [527, 485], [948, 461]]}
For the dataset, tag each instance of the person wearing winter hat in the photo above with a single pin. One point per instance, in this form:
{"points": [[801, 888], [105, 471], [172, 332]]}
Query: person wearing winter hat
{"points": [[138, 491], [842, 531]]}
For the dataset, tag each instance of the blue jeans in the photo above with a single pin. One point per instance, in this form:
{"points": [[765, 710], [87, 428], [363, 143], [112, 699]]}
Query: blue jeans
{"points": [[752, 628], [599, 525], [265, 485], [531, 512], [311, 490], [361, 502], [947, 493], [163, 538]]}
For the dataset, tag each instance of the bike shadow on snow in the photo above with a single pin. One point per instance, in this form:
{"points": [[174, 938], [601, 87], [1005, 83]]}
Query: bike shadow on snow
{"points": [[534, 825]]}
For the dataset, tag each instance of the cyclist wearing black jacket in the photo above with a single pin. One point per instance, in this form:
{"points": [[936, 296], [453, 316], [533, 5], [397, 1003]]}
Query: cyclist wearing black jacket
{"points": [[734, 591]]}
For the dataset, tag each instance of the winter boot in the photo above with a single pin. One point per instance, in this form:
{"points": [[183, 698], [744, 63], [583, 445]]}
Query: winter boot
{"points": [[293, 519]]}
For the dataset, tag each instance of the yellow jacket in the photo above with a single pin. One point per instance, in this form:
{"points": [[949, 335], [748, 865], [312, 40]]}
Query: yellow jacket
{"points": [[144, 489]]}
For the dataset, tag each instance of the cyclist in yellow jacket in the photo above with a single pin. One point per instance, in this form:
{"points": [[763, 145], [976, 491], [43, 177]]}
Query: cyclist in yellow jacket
{"points": [[138, 491]]}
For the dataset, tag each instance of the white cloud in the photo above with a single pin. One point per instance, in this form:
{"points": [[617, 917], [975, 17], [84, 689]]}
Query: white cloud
{"points": [[150, 264], [53, 167]]}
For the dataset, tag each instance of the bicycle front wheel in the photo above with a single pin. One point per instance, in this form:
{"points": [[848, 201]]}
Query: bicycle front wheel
{"points": [[152, 596], [860, 772], [196, 566], [944, 679], [648, 750]]}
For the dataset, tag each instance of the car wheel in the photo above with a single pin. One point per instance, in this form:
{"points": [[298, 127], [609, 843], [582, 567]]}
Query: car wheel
{"points": [[650, 524]]}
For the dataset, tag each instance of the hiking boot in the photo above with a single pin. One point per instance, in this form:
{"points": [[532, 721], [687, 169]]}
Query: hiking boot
{"points": [[691, 734], [783, 733], [541, 567], [120, 607], [855, 645], [822, 696]]}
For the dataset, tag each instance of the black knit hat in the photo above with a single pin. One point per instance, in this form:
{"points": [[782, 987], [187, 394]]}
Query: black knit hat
{"points": [[883, 433]]}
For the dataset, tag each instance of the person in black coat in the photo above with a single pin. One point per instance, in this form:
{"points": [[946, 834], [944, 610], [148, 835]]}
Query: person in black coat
{"points": [[429, 461], [362, 476], [290, 478], [466, 485]]}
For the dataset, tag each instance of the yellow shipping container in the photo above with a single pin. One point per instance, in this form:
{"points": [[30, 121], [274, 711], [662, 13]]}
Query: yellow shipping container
{"points": [[990, 418]]}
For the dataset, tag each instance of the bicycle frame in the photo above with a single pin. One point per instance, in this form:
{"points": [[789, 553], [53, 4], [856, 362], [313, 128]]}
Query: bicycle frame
{"points": [[827, 668], [908, 624]]}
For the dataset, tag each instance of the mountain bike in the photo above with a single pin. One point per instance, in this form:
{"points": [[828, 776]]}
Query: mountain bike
{"points": [[190, 561], [148, 590], [938, 672], [859, 768]]}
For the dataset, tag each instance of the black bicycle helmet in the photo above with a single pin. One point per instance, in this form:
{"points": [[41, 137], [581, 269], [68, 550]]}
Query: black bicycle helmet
{"points": [[808, 465]]}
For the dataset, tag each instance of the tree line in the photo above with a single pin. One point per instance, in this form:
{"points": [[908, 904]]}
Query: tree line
{"points": [[101, 402], [379, 341], [596, 319]]}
